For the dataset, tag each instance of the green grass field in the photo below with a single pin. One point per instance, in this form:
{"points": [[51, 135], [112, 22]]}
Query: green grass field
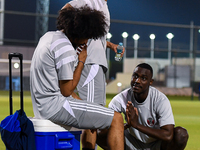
{"points": [[186, 114]]}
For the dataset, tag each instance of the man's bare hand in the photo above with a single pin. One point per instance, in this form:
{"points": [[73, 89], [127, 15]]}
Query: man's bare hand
{"points": [[82, 53], [132, 115]]}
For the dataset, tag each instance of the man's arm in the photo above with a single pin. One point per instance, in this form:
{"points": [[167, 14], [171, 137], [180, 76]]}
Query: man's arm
{"points": [[67, 87], [114, 47], [165, 133]]}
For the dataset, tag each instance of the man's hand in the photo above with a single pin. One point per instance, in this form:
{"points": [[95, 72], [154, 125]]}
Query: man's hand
{"points": [[114, 47], [82, 53], [132, 115]]}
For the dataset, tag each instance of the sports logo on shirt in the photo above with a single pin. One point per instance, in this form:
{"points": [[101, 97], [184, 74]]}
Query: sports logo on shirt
{"points": [[150, 121]]}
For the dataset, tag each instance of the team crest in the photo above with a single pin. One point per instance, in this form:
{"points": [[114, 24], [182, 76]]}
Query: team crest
{"points": [[150, 121]]}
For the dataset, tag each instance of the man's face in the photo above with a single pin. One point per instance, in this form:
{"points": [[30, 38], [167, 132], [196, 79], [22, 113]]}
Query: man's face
{"points": [[78, 42], [141, 80]]}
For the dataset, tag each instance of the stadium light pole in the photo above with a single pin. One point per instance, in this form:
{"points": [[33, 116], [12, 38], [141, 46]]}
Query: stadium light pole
{"points": [[119, 85], [170, 37], [109, 35], [152, 37], [135, 37], [2, 8], [191, 39], [124, 35]]}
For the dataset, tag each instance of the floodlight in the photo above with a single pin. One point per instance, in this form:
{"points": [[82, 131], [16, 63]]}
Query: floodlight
{"points": [[119, 84], [16, 65], [152, 36], [124, 34], [109, 35], [136, 36], [169, 35]]}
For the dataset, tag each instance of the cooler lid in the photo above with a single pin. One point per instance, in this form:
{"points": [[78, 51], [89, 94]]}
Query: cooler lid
{"points": [[42, 125]]}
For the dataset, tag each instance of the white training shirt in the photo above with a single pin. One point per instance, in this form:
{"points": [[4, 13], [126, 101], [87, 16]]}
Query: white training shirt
{"points": [[154, 112], [96, 48], [53, 60]]}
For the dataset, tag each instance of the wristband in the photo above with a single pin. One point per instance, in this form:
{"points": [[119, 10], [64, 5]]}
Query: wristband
{"points": [[81, 61]]}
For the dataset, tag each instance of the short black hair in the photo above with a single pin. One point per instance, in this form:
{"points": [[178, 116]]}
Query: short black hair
{"points": [[81, 23], [146, 66]]}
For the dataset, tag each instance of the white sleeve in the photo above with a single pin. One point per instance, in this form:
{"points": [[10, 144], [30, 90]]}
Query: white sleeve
{"points": [[77, 3], [118, 103], [164, 112]]}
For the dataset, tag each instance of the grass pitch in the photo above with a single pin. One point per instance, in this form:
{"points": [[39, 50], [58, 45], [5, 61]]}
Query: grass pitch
{"points": [[186, 114]]}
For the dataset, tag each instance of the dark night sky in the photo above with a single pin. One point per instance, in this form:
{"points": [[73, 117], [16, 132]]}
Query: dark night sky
{"points": [[158, 11]]}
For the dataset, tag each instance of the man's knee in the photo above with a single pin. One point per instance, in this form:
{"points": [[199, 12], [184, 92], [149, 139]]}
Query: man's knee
{"points": [[180, 137], [179, 140], [117, 118]]}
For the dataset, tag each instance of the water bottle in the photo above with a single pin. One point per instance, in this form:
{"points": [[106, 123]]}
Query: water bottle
{"points": [[119, 51]]}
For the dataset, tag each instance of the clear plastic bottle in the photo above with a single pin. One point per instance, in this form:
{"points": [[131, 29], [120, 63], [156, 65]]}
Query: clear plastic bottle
{"points": [[119, 51]]}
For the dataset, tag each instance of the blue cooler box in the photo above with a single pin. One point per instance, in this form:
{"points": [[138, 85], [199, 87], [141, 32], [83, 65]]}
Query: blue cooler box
{"points": [[49, 136]]}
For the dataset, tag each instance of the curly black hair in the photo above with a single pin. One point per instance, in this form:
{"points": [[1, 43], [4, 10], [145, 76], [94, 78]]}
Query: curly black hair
{"points": [[81, 23]]}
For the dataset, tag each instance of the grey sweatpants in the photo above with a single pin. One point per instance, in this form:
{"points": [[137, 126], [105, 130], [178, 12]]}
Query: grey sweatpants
{"points": [[83, 115]]}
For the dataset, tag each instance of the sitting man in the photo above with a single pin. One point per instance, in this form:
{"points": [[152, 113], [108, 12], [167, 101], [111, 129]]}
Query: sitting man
{"points": [[54, 77], [150, 121]]}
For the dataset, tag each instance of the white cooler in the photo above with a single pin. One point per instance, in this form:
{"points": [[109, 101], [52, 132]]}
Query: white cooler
{"points": [[50, 136]]}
